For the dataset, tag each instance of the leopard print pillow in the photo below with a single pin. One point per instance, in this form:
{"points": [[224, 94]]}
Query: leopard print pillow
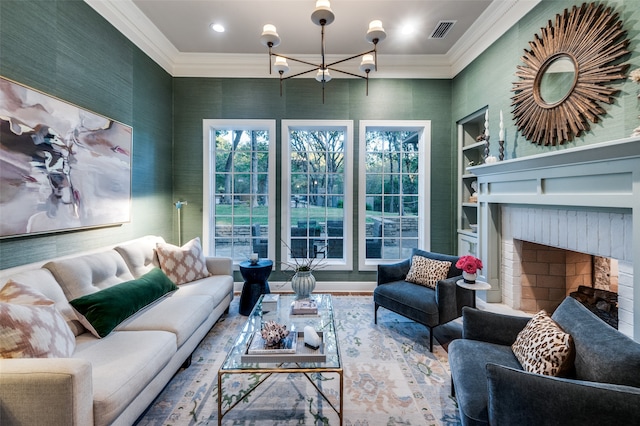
{"points": [[427, 272], [542, 347]]}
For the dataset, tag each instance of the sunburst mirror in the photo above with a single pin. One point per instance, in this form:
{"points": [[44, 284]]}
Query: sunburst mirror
{"points": [[566, 72]]}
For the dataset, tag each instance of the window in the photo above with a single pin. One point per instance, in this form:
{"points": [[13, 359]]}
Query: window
{"points": [[317, 192], [394, 190], [239, 188]]}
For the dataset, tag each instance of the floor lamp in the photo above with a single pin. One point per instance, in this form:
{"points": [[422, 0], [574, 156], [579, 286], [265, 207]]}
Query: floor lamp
{"points": [[179, 205]]}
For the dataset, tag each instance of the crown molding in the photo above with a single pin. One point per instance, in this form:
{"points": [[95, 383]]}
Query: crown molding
{"points": [[127, 18], [499, 17], [256, 66]]}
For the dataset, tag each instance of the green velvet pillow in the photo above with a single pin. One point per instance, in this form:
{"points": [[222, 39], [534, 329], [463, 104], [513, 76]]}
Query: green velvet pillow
{"points": [[102, 311]]}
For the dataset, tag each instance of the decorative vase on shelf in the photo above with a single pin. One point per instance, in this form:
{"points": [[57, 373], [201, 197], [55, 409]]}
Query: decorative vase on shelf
{"points": [[469, 278], [303, 283]]}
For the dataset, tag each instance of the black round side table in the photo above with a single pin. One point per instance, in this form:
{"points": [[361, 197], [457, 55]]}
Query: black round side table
{"points": [[255, 283]]}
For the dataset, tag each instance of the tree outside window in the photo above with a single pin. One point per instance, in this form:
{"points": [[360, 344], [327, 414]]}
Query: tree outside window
{"points": [[315, 215], [394, 193], [239, 193]]}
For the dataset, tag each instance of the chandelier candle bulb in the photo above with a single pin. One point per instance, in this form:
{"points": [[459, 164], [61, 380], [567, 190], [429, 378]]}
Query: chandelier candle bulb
{"points": [[376, 33], [375, 25], [281, 64], [367, 63], [323, 75], [322, 15], [270, 37]]}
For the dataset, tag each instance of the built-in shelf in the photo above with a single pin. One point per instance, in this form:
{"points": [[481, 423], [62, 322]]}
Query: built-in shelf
{"points": [[468, 232], [470, 152], [474, 146]]}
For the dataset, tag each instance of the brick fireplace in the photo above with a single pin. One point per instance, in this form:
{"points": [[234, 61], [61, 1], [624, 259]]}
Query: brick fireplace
{"points": [[585, 200], [538, 269], [549, 274]]}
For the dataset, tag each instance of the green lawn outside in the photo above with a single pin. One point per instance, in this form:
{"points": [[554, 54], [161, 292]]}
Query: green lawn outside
{"points": [[242, 214], [260, 214]]}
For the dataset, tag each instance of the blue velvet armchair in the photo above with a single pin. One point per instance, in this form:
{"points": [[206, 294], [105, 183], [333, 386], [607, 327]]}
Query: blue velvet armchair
{"points": [[421, 304], [492, 388]]}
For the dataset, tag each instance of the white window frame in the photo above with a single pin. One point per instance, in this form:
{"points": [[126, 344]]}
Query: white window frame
{"points": [[424, 177], [285, 221], [209, 129]]}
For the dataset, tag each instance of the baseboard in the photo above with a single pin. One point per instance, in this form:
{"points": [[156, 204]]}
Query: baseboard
{"points": [[333, 287]]}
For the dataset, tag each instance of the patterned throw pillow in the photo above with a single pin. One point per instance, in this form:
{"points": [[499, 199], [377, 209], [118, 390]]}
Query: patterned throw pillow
{"points": [[183, 264], [30, 325], [427, 272], [542, 347]]}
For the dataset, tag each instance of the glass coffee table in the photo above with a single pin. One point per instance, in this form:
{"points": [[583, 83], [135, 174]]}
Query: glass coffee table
{"points": [[239, 362]]}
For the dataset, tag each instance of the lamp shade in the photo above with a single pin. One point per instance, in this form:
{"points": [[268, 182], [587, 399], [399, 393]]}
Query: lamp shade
{"points": [[367, 63], [375, 33], [269, 36], [322, 15], [281, 65], [323, 73]]}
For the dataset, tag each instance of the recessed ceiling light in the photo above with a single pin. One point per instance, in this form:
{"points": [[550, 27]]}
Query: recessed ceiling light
{"points": [[408, 29], [217, 28]]}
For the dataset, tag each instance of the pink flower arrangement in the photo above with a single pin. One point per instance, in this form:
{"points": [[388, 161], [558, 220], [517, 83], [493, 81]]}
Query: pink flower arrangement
{"points": [[469, 264]]}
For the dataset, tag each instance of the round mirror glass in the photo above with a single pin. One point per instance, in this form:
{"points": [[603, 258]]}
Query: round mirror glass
{"points": [[558, 80]]}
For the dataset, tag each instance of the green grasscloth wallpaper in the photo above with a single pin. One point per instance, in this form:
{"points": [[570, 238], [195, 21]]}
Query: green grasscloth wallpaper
{"points": [[196, 99], [488, 81], [66, 50]]}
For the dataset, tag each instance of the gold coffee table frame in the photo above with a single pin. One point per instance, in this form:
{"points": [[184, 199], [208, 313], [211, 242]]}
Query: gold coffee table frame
{"points": [[323, 322]]}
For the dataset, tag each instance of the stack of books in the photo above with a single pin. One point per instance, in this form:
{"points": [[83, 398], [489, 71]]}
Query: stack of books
{"points": [[270, 302], [304, 307]]}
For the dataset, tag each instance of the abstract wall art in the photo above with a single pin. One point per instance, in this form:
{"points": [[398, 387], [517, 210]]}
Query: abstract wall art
{"points": [[61, 167]]}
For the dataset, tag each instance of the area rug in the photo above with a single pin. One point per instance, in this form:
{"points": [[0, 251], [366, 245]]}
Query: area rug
{"points": [[390, 378]]}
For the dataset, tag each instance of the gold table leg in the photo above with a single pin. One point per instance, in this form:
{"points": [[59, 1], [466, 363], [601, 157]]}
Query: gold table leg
{"points": [[268, 373]]}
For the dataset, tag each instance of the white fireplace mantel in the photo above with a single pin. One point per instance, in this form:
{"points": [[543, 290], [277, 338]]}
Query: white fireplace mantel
{"points": [[603, 177]]}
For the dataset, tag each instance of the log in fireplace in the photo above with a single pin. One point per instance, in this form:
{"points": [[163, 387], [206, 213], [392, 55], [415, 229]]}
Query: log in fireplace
{"points": [[603, 303]]}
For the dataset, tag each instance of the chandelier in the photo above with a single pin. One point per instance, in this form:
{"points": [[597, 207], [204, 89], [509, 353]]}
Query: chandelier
{"points": [[323, 16]]}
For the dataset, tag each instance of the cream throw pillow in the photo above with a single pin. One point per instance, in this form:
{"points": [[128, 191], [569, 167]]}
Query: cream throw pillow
{"points": [[31, 326], [543, 347], [183, 264], [427, 272]]}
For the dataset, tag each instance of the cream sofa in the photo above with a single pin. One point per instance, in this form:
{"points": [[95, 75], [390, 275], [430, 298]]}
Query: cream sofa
{"points": [[114, 379]]}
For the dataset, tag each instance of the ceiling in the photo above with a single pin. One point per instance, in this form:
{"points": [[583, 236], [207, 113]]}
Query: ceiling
{"points": [[177, 33]]}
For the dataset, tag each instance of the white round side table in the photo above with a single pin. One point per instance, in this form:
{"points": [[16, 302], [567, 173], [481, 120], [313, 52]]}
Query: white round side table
{"points": [[478, 285]]}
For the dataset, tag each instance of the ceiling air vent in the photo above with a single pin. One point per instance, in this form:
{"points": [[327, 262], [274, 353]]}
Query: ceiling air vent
{"points": [[442, 29]]}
